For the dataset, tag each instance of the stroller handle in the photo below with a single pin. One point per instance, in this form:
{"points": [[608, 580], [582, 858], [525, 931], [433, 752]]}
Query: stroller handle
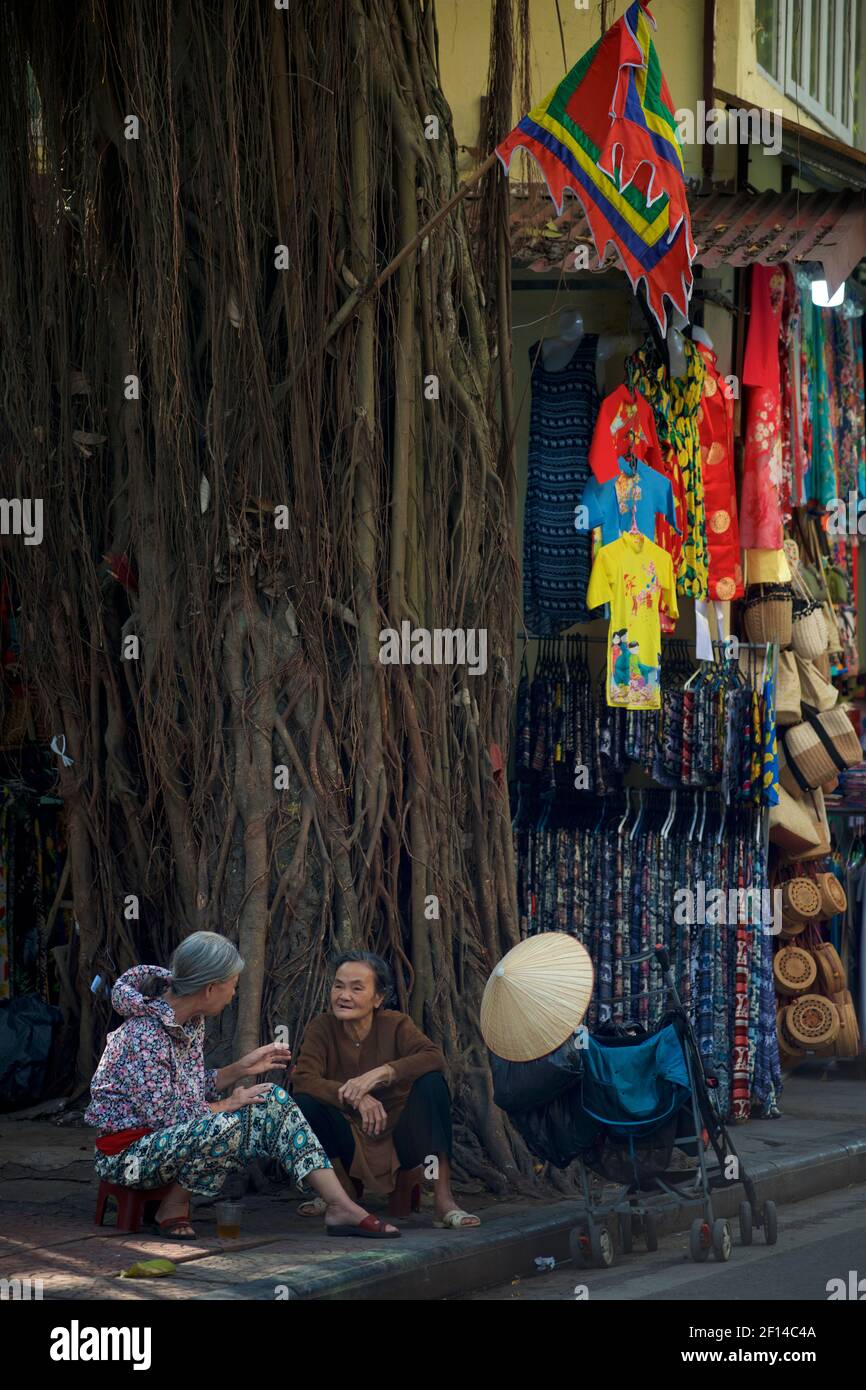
{"points": [[657, 953]]}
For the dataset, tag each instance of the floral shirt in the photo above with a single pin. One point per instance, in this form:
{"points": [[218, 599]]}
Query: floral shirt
{"points": [[152, 1072]]}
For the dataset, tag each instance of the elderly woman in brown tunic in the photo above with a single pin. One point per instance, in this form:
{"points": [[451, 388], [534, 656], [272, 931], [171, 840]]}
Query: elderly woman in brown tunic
{"points": [[372, 1086]]}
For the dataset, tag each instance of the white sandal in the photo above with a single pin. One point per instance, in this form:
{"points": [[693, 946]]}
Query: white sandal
{"points": [[458, 1220], [317, 1207]]}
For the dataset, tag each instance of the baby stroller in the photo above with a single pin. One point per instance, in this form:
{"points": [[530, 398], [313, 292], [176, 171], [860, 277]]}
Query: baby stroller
{"points": [[620, 1101]]}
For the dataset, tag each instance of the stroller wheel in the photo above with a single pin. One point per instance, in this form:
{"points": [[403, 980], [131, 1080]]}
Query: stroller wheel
{"points": [[651, 1231], [770, 1223], [579, 1246], [602, 1247], [745, 1223], [722, 1243], [626, 1231], [699, 1240]]}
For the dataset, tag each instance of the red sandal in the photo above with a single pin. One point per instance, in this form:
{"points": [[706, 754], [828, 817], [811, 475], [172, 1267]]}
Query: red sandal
{"points": [[370, 1228], [167, 1229]]}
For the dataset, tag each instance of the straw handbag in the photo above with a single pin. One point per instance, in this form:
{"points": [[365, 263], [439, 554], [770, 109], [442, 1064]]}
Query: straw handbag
{"points": [[848, 1040], [794, 970], [817, 749], [808, 627], [767, 614], [799, 828], [830, 970], [821, 694], [801, 902], [834, 899], [811, 1021], [788, 695]]}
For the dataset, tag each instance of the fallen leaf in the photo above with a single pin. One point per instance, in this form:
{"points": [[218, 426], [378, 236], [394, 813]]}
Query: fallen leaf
{"points": [[149, 1269]]}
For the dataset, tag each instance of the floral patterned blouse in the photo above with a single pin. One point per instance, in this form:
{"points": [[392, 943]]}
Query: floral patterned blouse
{"points": [[152, 1073]]}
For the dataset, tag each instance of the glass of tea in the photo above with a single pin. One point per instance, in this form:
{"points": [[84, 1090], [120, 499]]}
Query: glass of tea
{"points": [[228, 1218]]}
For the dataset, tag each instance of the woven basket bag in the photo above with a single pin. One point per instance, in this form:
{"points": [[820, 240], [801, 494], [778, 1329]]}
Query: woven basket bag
{"points": [[794, 970], [767, 614]]}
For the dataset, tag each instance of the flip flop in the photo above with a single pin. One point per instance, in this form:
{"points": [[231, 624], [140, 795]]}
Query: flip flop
{"points": [[370, 1228], [458, 1220], [167, 1229]]}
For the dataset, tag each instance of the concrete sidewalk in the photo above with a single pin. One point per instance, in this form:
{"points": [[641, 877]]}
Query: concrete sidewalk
{"points": [[48, 1192]]}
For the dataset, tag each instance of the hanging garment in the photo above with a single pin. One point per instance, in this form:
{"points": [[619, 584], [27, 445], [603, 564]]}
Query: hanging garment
{"points": [[793, 456], [716, 432], [636, 496], [632, 575], [556, 559], [625, 425], [822, 480], [760, 510], [675, 406]]}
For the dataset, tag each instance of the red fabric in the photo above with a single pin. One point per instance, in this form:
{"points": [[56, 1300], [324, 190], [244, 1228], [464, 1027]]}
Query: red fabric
{"points": [[716, 433], [761, 363], [116, 1143], [624, 422], [760, 510]]}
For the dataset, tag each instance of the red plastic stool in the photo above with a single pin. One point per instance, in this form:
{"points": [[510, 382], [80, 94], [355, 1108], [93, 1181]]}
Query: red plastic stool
{"points": [[131, 1203]]}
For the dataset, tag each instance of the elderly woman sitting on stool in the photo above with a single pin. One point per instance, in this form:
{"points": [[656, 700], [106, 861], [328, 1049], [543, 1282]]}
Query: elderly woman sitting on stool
{"points": [[372, 1087], [161, 1122]]}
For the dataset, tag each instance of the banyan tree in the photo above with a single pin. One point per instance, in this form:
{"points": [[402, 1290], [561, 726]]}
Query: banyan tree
{"points": [[260, 444]]}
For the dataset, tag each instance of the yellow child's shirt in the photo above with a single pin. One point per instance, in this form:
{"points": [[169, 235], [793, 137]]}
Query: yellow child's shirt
{"points": [[633, 575]]}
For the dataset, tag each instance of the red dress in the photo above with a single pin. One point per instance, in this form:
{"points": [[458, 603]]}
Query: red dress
{"points": [[760, 510], [716, 433]]}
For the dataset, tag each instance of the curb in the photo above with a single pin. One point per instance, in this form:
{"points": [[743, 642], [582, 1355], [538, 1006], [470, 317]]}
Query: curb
{"points": [[507, 1246]]}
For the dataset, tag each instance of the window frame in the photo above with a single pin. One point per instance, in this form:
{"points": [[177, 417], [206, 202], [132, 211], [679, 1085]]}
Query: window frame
{"points": [[785, 82]]}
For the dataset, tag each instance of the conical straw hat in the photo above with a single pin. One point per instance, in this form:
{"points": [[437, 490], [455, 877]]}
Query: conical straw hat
{"points": [[536, 997]]}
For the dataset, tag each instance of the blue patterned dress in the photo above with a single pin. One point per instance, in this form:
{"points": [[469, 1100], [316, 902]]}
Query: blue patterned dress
{"points": [[556, 558]]}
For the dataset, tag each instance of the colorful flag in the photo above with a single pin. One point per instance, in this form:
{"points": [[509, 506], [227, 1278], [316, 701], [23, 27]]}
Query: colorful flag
{"points": [[608, 133]]}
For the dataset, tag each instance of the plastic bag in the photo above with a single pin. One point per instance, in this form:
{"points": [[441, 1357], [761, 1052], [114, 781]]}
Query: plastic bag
{"points": [[26, 1033], [522, 1085]]}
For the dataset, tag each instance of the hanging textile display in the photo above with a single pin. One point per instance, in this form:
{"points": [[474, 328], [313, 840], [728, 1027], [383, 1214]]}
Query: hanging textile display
{"points": [[675, 403], [638, 495], [608, 133], [556, 558], [716, 435], [633, 575], [622, 883], [760, 509]]}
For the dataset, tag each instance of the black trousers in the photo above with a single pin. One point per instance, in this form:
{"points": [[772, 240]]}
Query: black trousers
{"points": [[424, 1127]]}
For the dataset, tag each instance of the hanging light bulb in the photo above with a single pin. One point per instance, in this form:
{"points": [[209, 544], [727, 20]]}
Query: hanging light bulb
{"points": [[821, 297]]}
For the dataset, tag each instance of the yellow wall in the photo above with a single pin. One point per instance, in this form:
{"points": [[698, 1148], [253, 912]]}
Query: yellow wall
{"points": [[737, 69], [464, 40]]}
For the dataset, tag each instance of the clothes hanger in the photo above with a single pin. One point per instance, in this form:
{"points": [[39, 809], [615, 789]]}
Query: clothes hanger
{"points": [[621, 826], [671, 816], [637, 823], [703, 796]]}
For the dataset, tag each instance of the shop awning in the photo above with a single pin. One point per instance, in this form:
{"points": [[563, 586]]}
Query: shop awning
{"points": [[731, 229]]}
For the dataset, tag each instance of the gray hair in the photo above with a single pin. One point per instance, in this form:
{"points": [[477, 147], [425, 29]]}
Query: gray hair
{"points": [[202, 959]]}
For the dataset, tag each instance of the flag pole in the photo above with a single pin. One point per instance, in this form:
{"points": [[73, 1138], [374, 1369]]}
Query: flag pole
{"points": [[346, 310]]}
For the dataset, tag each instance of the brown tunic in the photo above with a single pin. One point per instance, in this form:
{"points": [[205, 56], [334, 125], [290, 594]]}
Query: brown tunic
{"points": [[328, 1057]]}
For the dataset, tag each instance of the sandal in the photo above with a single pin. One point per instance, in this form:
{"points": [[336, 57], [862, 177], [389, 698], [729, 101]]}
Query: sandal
{"points": [[371, 1228], [167, 1229], [316, 1207], [457, 1220]]}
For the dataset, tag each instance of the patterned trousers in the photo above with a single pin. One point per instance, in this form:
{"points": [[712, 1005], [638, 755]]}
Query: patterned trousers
{"points": [[200, 1154]]}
